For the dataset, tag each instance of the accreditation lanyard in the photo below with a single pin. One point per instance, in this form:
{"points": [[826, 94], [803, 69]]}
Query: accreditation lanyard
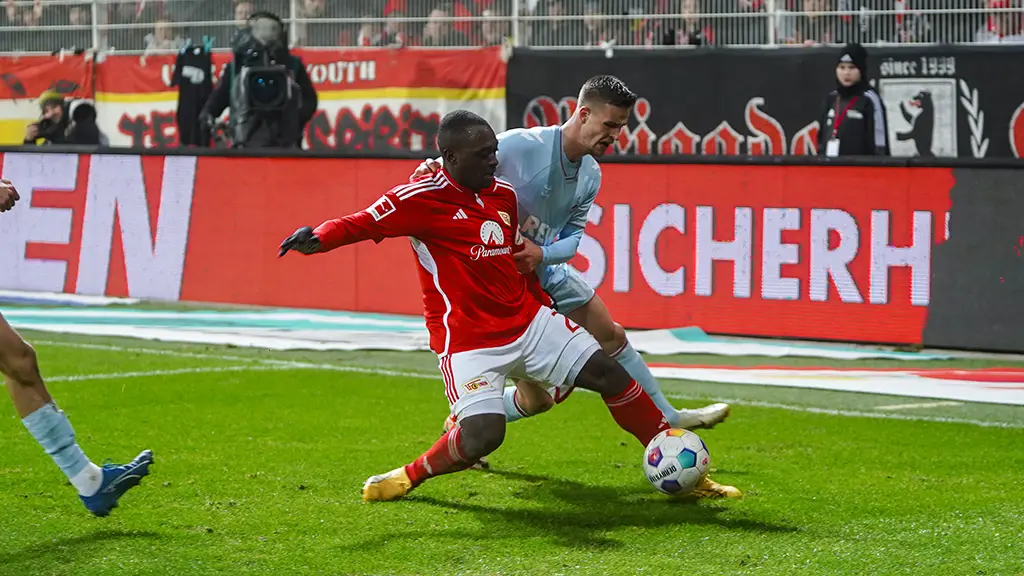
{"points": [[841, 115]]}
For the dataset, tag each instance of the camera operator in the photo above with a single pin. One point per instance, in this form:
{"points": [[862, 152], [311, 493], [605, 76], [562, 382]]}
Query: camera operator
{"points": [[270, 95], [65, 121]]}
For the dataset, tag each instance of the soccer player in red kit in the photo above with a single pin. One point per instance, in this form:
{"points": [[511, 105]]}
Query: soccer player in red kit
{"points": [[485, 323]]}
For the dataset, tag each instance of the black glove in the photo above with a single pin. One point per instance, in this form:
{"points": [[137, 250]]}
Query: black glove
{"points": [[302, 240]]}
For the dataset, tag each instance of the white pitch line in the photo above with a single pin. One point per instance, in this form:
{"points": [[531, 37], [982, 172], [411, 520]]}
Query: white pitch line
{"points": [[143, 374], [154, 351], [426, 376], [918, 405], [253, 359], [857, 413]]}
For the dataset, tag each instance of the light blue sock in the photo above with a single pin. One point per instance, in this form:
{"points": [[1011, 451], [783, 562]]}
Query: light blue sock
{"points": [[631, 360], [512, 411], [51, 428]]}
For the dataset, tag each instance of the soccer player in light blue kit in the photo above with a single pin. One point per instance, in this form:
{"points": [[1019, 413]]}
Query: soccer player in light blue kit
{"points": [[98, 488], [556, 179]]}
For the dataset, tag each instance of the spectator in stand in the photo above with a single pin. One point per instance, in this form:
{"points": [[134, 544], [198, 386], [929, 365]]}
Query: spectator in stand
{"points": [[369, 32], [749, 28], [243, 10], [815, 25], [494, 31], [866, 21], [132, 13], [1001, 27], [555, 30], [80, 38], [163, 37], [912, 25], [633, 28], [690, 30], [394, 33], [312, 33], [593, 33], [440, 29], [27, 40]]}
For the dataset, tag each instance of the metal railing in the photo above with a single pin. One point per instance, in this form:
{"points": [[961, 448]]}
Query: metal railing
{"points": [[155, 25]]}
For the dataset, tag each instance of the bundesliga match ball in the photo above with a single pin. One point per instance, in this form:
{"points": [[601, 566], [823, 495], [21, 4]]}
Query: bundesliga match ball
{"points": [[675, 461]]}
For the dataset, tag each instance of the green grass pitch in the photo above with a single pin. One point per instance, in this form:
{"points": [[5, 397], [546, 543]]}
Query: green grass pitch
{"points": [[260, 457]]}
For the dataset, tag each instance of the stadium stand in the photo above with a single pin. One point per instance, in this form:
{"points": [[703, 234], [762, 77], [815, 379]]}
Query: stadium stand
{"points": [[160, 25]]}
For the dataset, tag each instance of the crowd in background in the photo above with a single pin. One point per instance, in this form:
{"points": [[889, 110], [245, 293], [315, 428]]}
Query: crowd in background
{"points": [[41, 26]]}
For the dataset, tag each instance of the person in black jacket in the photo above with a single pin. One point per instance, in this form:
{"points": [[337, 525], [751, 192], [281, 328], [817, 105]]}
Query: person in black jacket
{"points": [[853, 121], [65, 121], [266, 41]]}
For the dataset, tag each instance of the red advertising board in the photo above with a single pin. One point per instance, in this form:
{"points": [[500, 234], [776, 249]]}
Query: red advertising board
{"points": [[379, 100], [788, 251]]}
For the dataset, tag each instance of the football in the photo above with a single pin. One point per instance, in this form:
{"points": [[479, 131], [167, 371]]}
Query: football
{"points": [[675, 461]]}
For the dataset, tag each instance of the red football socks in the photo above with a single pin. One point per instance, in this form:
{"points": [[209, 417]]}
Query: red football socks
{"points": [[635, 412], [444, 457]]}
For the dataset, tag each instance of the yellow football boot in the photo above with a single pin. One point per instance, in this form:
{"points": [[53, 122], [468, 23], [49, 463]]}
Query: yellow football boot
{"points": [[708, 488], [391, 486]]}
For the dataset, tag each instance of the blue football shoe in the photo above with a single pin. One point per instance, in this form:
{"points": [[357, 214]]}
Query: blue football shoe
{"points": [[117, 479]]}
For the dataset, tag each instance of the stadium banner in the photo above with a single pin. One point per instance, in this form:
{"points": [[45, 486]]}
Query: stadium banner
{"points": [[944, 101], [898, 255], [24, 78], [369, 100]]}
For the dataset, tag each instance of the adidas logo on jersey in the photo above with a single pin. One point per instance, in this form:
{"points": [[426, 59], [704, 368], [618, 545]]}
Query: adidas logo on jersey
{"points": [[460, 215]]}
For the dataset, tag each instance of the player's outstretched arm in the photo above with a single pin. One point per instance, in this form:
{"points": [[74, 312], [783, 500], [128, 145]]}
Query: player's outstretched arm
{"points": [[302, 240], [8, 195], [381, 220]]}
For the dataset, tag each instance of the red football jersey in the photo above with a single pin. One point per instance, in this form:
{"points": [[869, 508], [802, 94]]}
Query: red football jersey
{"points": [[473, 296]]}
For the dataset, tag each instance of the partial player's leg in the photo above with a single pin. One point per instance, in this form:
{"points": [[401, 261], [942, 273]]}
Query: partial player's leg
{"points": [[474, 382], [526, 398], [568, 356], [576, 299], [99, 488]]}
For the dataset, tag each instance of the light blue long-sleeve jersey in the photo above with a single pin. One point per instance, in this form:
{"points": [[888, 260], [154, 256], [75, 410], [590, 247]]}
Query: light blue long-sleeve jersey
{"points": [[555, 194]]}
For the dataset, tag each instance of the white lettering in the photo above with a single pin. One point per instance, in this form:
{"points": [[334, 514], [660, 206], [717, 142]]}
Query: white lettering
{"points": [[154, 267], [342, 72], [664, 216], [774, 253], [478, 252], [25, 224], [621, 245], [826, 263], [737, 250], [917, 257], [592, 251]]}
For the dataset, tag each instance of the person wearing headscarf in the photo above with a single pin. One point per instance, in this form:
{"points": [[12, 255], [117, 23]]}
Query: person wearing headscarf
{"points": [[853, 120]]}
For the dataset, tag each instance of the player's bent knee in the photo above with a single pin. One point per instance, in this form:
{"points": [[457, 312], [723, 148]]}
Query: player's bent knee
{"points": [[534, 404], [481, 435], [542, 403], [603, 375], [18, 360], [615, 341], [533, 398]]}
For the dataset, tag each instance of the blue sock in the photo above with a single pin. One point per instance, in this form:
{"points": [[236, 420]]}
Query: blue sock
{"points": [[51, 428], [512, 410], [631, 360]]}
